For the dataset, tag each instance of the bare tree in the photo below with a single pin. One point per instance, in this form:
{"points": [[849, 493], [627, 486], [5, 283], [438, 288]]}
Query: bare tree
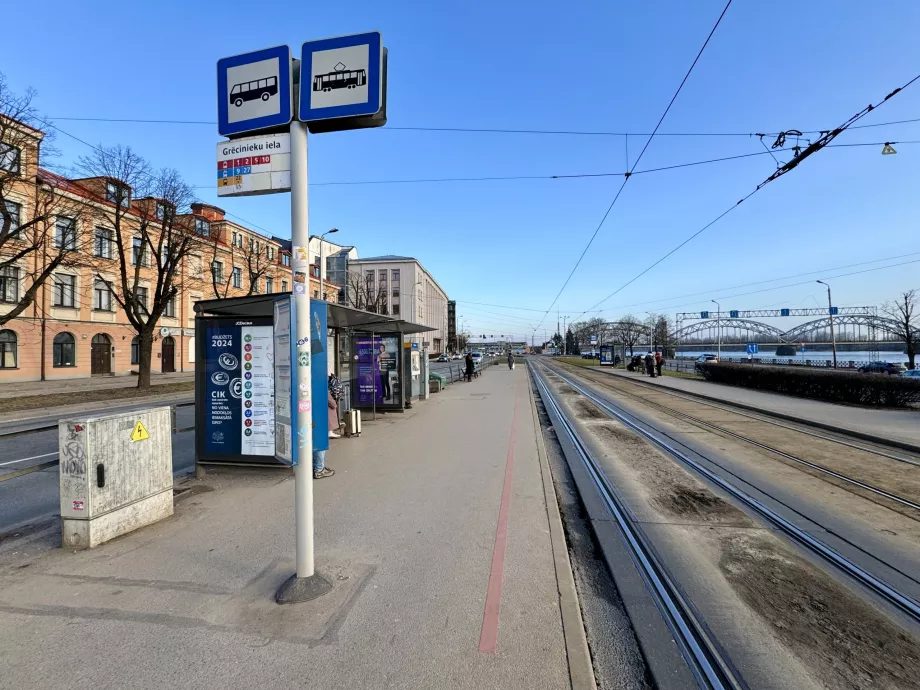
{"points": [[629, 330], [148, 232], [250, 257], [363, 292], [904, 312], [40, 223], [661, 333]]}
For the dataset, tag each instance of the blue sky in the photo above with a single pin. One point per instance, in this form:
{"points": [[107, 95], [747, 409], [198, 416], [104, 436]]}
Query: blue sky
{"points": [[598, 67]]}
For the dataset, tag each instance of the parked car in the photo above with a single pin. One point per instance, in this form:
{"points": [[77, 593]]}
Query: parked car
{"points": [[708, 358], [889, 368], [911, 374], [477, 358], [444, 358]]}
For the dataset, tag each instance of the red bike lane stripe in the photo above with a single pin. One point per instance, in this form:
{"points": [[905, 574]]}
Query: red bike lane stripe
{"points": [[488, 637]]}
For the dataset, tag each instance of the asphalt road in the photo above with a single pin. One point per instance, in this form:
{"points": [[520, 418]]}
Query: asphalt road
{"points": [[34, 497]]}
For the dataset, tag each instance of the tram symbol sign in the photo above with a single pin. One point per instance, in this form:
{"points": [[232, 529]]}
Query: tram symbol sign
{"points": [[341, 77]]}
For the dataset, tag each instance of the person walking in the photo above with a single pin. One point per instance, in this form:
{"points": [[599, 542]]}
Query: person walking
{"points": [[650, 365], [659, 361], [511, 360], [469, 366]]}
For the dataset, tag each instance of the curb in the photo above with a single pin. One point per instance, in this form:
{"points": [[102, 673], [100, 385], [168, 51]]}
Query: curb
{"points": [[581, 670], [893, 443]]}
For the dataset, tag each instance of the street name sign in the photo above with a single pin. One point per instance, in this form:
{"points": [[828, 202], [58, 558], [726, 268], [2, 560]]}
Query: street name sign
{"points": [[342, 77], [254, 165], [254, 91]]}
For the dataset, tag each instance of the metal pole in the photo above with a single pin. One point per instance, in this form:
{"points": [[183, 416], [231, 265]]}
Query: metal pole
{"points": [[830, 314], [303, 471], [719, 326]]}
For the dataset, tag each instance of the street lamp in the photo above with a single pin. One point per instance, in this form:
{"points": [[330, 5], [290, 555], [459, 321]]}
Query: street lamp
{"points": [[322, 263], [719, 326], [650, 329], [830, 313]]}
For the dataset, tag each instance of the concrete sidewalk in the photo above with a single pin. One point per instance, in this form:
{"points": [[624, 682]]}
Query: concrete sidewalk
{"points": [[898, 425], [406, 530]]}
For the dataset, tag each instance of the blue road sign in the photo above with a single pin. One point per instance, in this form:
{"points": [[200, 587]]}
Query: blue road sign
{"points": [[833, 311], [341, 77], [254, 91], [752, 348], [784, 312], [704, 314], [733, 314]]}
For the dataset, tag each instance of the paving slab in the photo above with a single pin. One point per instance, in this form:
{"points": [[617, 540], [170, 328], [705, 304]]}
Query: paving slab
{"points": [[408, 530]]}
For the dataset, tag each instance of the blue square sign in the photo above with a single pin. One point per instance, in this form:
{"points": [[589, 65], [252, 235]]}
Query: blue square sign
{"points": [[341, 77], [254, 91]]}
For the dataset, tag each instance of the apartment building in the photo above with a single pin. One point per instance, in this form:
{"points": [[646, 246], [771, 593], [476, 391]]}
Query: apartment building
{"points": [[401, 287], [60, 270]]}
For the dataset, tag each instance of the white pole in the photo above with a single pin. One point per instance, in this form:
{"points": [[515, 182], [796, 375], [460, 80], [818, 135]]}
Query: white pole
{"points": [[303, 471], [719, 326]]}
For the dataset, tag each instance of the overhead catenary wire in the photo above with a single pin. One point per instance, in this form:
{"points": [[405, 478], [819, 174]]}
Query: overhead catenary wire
{"points": [[489, 130], [823, 142], [636, 163]]}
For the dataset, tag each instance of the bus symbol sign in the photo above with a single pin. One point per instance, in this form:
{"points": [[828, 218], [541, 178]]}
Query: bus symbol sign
{"points": [[254, 91]]}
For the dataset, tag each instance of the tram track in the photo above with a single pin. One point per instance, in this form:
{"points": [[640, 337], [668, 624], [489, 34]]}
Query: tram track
{"points": [[620, 385], [869, 585]]}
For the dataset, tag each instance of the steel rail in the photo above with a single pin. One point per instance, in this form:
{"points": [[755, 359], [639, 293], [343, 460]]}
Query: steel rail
{"points": [[705, 660], [784, 454], [899, 600]]}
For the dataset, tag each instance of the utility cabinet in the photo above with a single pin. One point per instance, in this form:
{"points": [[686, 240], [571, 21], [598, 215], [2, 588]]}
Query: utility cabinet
{"points": [[115, 474]]}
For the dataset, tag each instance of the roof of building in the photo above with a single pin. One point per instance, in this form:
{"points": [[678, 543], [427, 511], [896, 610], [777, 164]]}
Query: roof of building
{"points": [[387, 257]]}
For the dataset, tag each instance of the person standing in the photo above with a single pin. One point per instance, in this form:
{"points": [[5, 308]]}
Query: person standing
{"points": [[650, 365], [320, 471], [659, 361], [510, 360], [469, 366]]}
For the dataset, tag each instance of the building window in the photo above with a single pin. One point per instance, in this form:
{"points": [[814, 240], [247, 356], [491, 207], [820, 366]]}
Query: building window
{"points": [[217, 271], [64, 288], [170, 310], [284, 287], [269, 285], [139, 252], [286, 260], [270, 253], [202, 227], [252, 245], [165, 212], [395, 309], [102, 296], [141, 294], [102, 243], [14, 213], [64, 350], [117, 194], [396, 275], [136, 350], [8, 354], [65, 236], [239, 240], [10, 157], [237, 277], [9, 284]]}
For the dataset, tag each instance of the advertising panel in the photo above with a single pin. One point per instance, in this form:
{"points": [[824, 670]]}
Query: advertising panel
{"points": [[319, 377], [239, 388], [607, 356], [378, 371]]}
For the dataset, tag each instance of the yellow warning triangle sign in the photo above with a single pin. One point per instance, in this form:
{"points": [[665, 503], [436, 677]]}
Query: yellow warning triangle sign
{"points": [[140, 432], [887, 150]]}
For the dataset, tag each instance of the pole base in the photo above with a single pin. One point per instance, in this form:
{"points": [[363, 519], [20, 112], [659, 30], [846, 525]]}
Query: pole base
{"points": [[299, 589]]}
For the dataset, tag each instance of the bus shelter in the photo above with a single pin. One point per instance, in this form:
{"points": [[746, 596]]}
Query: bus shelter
{"points": [[234, 374]]}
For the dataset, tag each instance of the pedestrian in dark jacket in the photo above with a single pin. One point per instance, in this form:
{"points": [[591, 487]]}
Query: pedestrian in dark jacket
{"points": [[650, 365], [469, 366]]}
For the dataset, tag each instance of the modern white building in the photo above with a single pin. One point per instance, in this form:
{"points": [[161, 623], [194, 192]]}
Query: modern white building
{"points": [[335, 257], [401, 287]]}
